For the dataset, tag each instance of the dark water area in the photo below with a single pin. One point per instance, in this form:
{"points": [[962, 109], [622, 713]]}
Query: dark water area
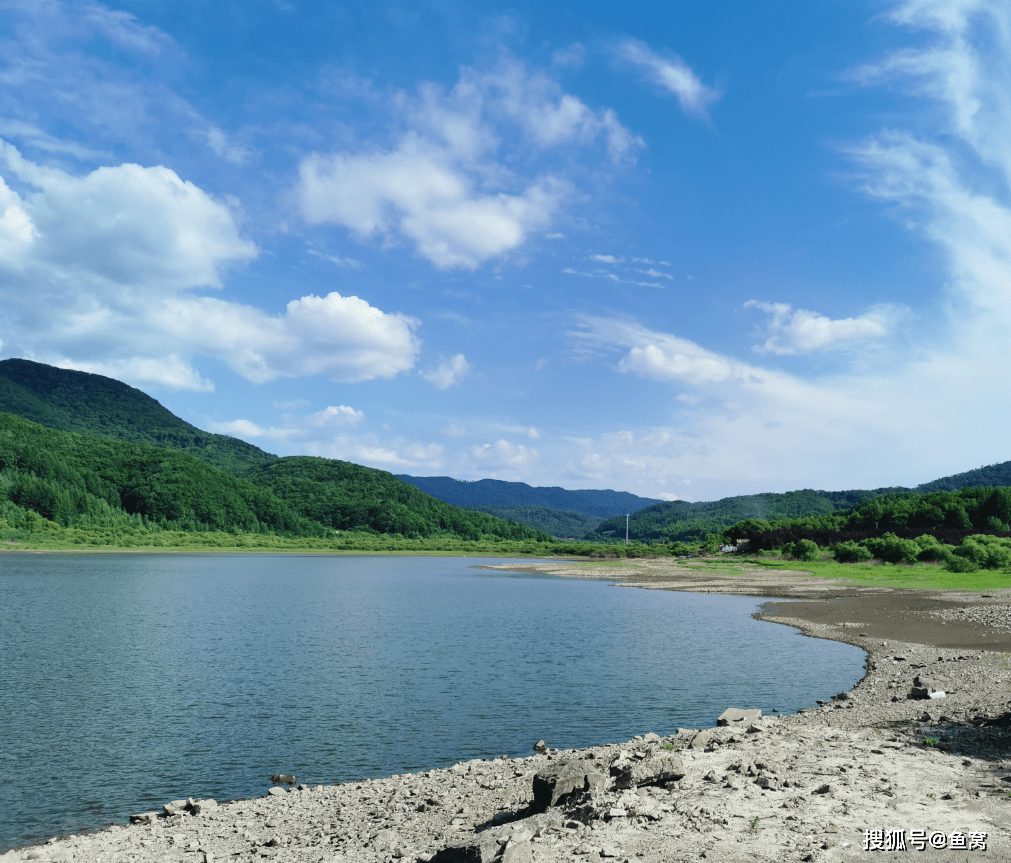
{"points": [[130, 680]]}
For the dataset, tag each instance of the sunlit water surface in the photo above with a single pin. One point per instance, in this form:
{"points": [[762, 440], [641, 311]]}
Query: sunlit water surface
{"points": [[130, 680]]}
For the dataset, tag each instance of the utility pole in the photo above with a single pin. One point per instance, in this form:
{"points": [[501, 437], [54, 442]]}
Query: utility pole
{"points": [[626, 528]]}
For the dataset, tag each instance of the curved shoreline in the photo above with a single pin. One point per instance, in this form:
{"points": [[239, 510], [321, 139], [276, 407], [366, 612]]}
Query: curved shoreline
{"points": [[800, 787]]}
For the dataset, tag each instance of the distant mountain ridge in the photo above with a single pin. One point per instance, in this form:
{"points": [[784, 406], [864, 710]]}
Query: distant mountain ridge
{"points": [[602, 503]]}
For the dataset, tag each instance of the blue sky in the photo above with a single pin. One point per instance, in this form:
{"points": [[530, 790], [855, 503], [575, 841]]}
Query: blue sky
{"points": [[683, 250]]}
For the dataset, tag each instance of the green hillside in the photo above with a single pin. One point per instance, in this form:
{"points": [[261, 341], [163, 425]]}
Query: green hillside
{"points": [[93, 404], [555, 522], [74, 479], [342, 496], [684, 521], [85, 480], [602, 503]]}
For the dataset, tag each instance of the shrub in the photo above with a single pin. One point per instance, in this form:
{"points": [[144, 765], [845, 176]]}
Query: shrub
{"points": [[802, 549], [961, 564], [889, 547], [851, 552]]}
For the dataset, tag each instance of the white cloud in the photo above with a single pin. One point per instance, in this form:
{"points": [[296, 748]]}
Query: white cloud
{"points": [[671, 73], [128, 224], [448, 373], [444, 186], [237, 428], [342, 338], [454, 430], [501, 456], [345, 263], [340, 416], [294, 428], [800, 331], [98, 273], [168, 372], [606, 259]]}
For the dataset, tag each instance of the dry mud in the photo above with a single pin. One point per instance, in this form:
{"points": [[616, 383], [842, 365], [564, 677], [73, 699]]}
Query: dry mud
{"points": [[854, 779]]}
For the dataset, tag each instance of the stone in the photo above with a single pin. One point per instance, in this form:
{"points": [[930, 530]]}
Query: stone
{"points": [[277, 791], [701, 740], [176, 807], [658, 767], [282, 779], [517, 851], [198, 807], [736, 716], [480, 848], [540, 747], [927, 687], [559, 783], [144, 818], [754, 729], [652, 737], [823, 789]]}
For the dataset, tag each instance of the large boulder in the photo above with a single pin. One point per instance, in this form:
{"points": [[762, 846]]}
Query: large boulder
{"points": [[654, 768], [735, 716], [557, 784]]}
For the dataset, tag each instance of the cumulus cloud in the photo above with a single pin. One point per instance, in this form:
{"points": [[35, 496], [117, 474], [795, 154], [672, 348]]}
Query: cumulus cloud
{"points": [[800, 331], [671, 73], [292, 427], [99, 271], [448, 373], [502, 456], [445, 186]]}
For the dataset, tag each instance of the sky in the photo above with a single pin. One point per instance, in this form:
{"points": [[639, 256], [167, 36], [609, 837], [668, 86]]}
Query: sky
{"points": [[686, 250]]}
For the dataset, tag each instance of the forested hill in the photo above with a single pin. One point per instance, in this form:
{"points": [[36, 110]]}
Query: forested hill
{"points": [[96, 405], [990, 475], [78, 480], [683, 520], [602, 503]]}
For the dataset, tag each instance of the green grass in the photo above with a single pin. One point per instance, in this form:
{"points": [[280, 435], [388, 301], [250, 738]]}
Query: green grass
{"points": [[923, 576]]}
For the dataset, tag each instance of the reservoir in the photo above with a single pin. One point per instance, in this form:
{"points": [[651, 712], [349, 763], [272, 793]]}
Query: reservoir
{"points": [[128, 680]]}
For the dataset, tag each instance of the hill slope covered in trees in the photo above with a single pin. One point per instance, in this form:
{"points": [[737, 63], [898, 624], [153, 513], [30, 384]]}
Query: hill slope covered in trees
{"points": [[602, 503], [93, 404]]}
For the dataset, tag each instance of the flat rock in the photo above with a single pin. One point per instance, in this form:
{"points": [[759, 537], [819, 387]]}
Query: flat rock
{"points": [[736, 716]]}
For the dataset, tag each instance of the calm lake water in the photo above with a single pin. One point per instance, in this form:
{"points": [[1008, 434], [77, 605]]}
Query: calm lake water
{"points": [[130, 680]]}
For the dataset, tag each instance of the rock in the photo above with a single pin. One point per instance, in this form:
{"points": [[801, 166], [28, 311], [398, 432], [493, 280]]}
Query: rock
{"points": [[652, 737], [540, 747], [823, 789], [701, 740], [556, 784], [481, 848], [144, 818], [385, 839], [517, 852], [282, 779], [927, 687], [609, 851], [277, 791], [656, 768], [201, 806], [176, 807], [736, 716], [754, 729]]}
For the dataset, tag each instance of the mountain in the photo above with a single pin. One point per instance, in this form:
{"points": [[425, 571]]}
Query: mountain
{"points": [[685, 521], [556, 522], [602, 503], [990, 475], [84, 449], [93, 404]]}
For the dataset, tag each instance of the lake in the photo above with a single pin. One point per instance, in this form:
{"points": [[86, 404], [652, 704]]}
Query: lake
{"points": [[129, 680]]}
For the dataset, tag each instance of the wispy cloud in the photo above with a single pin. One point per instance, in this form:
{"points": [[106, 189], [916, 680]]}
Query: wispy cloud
{"points": [[671, 73], [793, 331]]}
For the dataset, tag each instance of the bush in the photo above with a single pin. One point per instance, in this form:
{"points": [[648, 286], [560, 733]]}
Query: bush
{"points": [[851, 552], [961, 564], [986, 552], [889, 547], [802, 549]]}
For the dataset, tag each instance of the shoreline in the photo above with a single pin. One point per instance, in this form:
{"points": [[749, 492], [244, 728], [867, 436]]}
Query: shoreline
{"points": [[799, 787]]}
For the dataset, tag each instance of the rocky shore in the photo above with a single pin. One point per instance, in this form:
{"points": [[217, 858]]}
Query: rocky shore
{"points": [[913, 762]]}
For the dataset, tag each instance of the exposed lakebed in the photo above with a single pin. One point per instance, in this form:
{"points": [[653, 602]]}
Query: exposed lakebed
{"points": [[130, 680]]}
